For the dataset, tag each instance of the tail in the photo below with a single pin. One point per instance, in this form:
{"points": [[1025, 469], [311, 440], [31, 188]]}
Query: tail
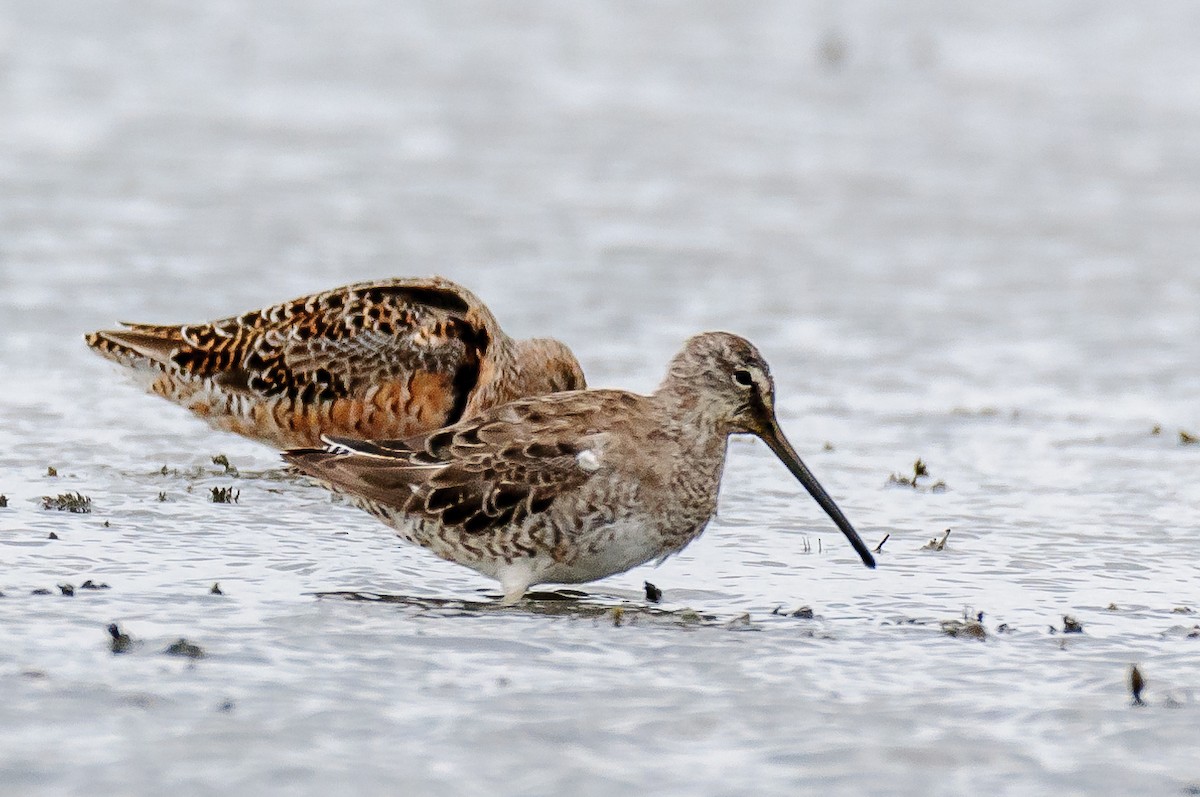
{"points": [[308, 460], [312, 461], [140, 346]]}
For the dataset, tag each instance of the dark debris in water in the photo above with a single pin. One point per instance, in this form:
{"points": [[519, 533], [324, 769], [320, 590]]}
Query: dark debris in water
{"points": [[1187, 438], [216, 589], [1071, 625], [51, 471], [42, 591], [964, 629], [653, 593], [223, 461], [89, 584], [52, 536], [920, 471], [119, 642], [803, 613], [1136, 684], [3, 502], [181, 647], [225, 495], [68, 502], [67, 589]]}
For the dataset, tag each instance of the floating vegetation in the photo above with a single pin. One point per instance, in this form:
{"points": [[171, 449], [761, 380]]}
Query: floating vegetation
{"points": [[51, 470], [936, 544], [223, 461], [827, 447], [1071, 625], [89, 584], [216, 589], [225, 495], [162, 496], [804, 612], [920, 471], [1156, 430], [1187, 439], [68, 502], [964, 629], [653, 593], [1183, 610], [41, 591], [1136, 684], [181, 647], [119, 642], [806, 545], [617, 614]]}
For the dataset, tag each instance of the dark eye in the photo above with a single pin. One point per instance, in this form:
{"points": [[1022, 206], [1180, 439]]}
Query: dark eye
{"points": [[743, 378]]}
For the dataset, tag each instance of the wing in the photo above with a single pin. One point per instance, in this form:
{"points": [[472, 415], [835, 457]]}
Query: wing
{"points": [[480, 475], [337, 344]]}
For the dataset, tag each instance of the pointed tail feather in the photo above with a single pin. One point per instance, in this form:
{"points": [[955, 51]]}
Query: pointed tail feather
{"points": [[132, 347]]}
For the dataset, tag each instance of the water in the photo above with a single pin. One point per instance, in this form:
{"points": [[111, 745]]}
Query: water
{"points": [[961, 233]]}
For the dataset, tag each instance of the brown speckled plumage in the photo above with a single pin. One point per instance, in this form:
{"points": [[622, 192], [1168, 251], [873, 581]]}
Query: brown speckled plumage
{"points": [[576, 486], [393, 358]]}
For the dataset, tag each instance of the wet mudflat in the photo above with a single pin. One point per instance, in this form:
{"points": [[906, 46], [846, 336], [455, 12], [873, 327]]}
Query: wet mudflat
{"points": [[964, 241]]}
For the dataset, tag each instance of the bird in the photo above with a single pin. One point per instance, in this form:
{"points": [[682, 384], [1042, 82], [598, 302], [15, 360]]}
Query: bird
{"points": [[383, 359], [575, 486]]}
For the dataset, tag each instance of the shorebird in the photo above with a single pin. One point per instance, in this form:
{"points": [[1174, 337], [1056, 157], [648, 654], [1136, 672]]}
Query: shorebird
{"points": [[573, 487], [393, 358]]}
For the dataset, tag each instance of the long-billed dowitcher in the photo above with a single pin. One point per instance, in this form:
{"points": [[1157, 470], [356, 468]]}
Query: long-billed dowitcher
{"points": [[384, 359], [576, 486]]}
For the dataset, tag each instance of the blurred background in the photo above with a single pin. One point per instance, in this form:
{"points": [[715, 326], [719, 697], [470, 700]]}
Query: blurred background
{"points": [[875, 175]]}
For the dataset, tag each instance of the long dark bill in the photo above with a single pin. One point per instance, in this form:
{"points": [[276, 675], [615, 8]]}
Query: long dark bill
{"points": [[773, 437]]}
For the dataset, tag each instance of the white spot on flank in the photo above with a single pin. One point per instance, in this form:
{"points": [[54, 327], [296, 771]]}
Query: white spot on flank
{"points": [[588, 460]]}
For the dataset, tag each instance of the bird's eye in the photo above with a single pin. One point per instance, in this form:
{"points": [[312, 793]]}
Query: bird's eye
{"points": [[743, 378]]}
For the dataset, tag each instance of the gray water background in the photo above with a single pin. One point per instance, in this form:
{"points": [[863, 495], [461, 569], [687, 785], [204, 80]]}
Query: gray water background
{"points": [[961, 232]]}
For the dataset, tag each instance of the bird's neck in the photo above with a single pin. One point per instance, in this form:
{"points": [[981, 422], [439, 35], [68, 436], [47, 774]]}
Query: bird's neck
{"points": [[697, 429], [494, 385]]}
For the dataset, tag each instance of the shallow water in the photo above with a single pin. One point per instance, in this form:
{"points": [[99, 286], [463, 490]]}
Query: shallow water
{"points": [[960, 233]]}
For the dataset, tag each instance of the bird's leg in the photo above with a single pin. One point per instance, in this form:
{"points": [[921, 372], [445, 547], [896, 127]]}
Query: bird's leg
{"points": [[514, 580]]}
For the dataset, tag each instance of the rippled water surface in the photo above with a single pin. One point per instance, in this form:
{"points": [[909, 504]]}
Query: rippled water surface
{"points": [[958, 232]]}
